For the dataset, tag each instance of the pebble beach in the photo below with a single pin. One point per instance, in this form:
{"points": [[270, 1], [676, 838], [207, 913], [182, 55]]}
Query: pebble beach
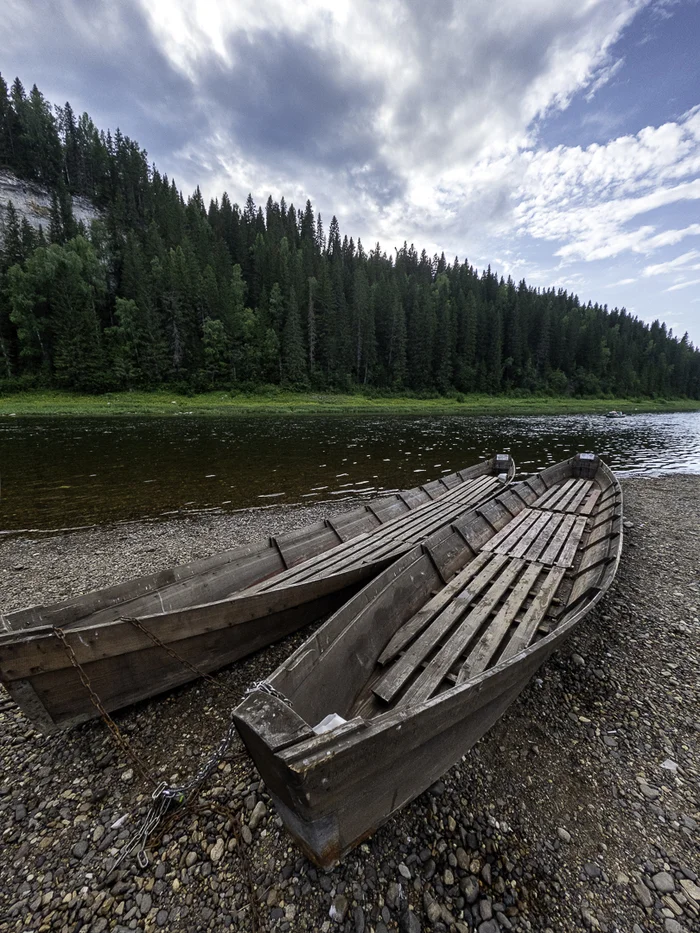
{"points": [[580, 810]]}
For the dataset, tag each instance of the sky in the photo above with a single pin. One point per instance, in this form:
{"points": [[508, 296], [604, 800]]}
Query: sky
{"points": [[556, 140]]}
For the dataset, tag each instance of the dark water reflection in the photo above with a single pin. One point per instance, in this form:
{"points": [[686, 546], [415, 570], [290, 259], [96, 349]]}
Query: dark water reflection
{"points": [[58, 472]]}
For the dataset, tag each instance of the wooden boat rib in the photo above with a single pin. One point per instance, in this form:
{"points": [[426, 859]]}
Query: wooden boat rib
{"points": [[216, 611], [421, 662]]}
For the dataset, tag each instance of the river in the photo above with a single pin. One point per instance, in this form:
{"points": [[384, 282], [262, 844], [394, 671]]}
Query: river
{"points": [[58, 473]]}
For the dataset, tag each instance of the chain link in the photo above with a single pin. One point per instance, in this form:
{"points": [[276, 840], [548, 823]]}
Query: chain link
{"points": [[262, 686], [177, 657], [99, 706], [165, 798]]}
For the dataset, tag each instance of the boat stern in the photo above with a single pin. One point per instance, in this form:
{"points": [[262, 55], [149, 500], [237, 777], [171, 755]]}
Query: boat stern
{"points": [[267, 725]]}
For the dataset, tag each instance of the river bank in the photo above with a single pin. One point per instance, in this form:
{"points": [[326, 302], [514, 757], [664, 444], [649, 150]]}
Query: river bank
{"points": [[580, 809], [280, 402]]}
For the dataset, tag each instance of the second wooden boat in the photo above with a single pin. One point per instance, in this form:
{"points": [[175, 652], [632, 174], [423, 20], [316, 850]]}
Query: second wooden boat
{"points": [[146, 636], [396, 686]]}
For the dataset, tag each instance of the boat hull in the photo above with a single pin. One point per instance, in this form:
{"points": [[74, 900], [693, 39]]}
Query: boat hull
{"points": [[394, 770], [48, 653], [335, 789]]}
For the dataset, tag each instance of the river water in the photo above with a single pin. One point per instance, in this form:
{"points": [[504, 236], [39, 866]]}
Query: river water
{"points": [[68, 472]]}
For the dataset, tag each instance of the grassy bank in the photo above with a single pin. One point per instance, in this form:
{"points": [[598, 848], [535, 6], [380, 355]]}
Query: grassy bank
{"points": [[223, 403]]}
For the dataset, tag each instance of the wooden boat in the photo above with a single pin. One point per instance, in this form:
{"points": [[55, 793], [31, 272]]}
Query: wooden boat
{"points": [[395, 687], [143, 637]]}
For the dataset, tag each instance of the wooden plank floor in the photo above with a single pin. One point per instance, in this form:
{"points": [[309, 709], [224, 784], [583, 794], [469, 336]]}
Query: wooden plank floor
{"points": [[496, 605], [385, 540]]}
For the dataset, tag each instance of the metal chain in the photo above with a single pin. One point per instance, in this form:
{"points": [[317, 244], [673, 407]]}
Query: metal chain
{"points": [[177, 657], [97, 703], [262, 686], [179, 793], [164, 797]]}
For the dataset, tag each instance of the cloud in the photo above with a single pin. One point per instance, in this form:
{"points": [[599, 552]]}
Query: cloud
{"points": [[409, 121], [605, 76], [675, 288], [683, 262], [588, 199]]}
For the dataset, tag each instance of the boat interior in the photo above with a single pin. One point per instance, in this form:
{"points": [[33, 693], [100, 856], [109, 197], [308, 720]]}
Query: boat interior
{"points": [[473, 596]]}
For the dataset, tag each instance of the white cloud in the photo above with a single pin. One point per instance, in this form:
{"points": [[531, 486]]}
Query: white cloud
{"points": [[683, 262], [605, 76], [677, 287]]}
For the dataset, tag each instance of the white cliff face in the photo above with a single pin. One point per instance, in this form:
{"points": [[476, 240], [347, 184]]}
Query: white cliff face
{"points": [[34, 202]]}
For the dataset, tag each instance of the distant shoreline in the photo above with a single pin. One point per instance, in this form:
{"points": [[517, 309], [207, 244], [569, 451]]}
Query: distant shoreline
{"points": [[159, 404]]}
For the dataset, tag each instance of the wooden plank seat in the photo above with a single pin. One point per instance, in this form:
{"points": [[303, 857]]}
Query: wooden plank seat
{"points": [[487, 613], [544, 536], [392, 537], [575, 496]]}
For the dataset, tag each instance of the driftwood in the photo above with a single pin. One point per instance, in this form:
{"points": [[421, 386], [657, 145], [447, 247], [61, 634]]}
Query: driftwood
{"points": [[424, 659]]}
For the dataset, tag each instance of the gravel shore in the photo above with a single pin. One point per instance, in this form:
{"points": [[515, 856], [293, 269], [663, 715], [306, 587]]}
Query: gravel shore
{"points": [[579, 810]]}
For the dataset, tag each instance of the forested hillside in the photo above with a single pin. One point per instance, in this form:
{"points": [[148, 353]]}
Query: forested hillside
{"points": [[163, 291]]}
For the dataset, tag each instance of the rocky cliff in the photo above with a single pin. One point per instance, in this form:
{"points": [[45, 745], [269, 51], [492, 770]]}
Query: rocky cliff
{"points": [[34, 202]]}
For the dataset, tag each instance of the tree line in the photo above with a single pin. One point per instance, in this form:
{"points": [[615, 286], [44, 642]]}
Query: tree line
{"points": [[166, 291]]}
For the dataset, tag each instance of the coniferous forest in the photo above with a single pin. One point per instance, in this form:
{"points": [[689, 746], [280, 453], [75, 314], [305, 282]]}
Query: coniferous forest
{"points": [[166, 291]]}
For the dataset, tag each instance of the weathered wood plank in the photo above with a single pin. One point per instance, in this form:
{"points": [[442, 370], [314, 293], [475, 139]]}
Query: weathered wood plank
{"points": [[544, 538], [442, 621], [545, 500], [533, 532], [555, 545], [497, 539], [422, 618], [490, 641], [568, 552], [414, 497], [430, 679], [509, 542], [435, 488], [527, 628], [589, 504], [432, 524], [406, 528], [574, 503]]}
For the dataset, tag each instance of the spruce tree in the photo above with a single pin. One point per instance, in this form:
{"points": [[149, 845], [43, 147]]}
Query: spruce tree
{"points": [[293, 355]]}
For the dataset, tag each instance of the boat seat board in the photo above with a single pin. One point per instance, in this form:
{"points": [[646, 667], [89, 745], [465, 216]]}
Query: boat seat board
{"points": [[433, 621], [543, 536], [391, 538], [420, 532], [490, 641], [567, 497], [527, 628], [429, 680], [548, 499]]}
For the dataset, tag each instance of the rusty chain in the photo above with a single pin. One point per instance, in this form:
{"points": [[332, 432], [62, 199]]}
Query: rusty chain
{"points": [[164, 798], [97, 703], [177, 657]]}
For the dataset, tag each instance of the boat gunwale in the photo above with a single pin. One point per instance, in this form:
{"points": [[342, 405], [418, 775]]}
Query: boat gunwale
{"points": [[42, 625], [30, 633]]}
